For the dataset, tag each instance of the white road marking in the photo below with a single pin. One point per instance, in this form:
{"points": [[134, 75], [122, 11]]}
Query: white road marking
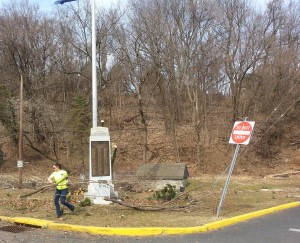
{"points": [[296, 230]]}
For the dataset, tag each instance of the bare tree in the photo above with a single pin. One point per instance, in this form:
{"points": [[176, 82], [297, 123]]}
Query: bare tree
{"points": [[136, 68], [239, 44], [27, 46], [75, 57]]}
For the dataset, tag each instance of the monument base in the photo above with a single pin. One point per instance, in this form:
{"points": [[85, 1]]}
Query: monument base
{"points": [[98, 191]]}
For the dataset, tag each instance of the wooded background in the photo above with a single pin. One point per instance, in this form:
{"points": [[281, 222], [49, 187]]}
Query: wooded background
{"points": [[173, 76]]}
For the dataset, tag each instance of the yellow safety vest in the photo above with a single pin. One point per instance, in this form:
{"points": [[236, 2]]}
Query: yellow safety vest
{"points": [[60, 178]]}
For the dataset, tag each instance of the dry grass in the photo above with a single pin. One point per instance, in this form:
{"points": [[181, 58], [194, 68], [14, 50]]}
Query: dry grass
{"points": [[200, 201]]}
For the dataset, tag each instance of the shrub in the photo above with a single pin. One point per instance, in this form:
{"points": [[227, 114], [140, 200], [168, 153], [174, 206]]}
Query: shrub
{"points": [[85, 202], [166, 194]]}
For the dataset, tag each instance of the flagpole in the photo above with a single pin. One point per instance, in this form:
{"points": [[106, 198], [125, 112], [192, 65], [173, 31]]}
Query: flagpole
{"points": [[94, 67]]}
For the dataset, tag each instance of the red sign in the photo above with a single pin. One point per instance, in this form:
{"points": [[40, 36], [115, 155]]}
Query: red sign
{"points": [[241, 132]]}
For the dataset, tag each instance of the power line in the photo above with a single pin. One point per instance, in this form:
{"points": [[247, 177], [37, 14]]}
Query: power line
{"points": [[279, 104], [281, 116]]}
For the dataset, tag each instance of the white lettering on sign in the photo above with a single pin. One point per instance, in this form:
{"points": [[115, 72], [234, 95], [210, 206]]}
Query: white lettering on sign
{"points": [[241, 132]]}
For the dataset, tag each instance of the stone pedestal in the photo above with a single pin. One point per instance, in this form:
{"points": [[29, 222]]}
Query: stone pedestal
{"points": [[97, 191]]}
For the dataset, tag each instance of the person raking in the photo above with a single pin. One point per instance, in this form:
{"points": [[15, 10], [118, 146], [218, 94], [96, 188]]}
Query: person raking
{"points": [[60, 178]]}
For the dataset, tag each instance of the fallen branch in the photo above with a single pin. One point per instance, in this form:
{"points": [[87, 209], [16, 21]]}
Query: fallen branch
{"points": [[286, 174], [145, 207], [42, 189]]}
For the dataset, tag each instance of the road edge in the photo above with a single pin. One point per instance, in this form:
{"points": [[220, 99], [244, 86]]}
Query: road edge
{"points": [[148, 231]]}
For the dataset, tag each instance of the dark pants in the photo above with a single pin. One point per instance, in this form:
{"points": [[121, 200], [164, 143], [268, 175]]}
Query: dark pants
{"points": [[61, 194]]}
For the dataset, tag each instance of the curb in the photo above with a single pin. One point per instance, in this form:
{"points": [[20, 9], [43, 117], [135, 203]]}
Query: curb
{"points": [[148, 231]]}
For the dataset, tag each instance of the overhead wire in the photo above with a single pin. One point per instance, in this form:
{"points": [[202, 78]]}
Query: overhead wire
{"points": [[282, 115], [274, 110], [269, 117]]}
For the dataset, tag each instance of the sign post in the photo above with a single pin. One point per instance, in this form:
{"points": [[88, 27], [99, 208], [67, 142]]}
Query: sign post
{"points": [[241, 134]]}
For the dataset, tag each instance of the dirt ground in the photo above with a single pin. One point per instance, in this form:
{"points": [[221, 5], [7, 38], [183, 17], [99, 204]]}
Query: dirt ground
{"points": [[195, 206]]}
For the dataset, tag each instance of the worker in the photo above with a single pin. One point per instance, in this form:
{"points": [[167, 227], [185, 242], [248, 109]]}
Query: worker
{"points": [[60, 178]]}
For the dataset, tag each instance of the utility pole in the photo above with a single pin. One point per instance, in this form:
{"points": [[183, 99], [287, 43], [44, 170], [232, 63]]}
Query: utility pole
{"points": [[20, 160]]}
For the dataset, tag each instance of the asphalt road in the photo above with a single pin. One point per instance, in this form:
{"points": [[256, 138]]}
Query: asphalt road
{"points": [[283, 226]]}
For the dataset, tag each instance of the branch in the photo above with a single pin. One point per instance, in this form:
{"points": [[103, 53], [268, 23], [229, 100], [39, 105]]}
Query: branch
{"points": [[37, 150], [144, 208], [38, 190]]}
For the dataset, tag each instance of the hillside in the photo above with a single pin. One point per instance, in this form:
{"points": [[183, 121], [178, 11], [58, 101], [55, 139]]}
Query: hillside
{"points": [[171, 78], [214, 157]]}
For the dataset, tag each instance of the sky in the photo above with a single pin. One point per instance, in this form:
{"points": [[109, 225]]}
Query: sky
{"points": [[48, 5]]}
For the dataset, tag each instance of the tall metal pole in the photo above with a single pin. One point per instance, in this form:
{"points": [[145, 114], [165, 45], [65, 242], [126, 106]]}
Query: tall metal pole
{"points": [[20, 161], [94, 67]]}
